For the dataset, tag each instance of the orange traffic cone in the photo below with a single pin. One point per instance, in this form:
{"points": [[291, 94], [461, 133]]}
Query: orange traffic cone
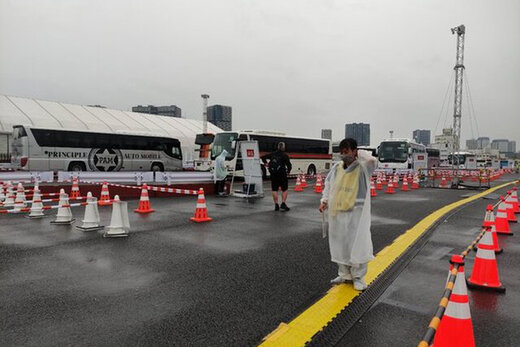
{"points": [[455, 327], [201, 211], [396, 181], [298, 187], [514, 200], [405, 186], [390, 188], [144, 201], [485, 271], [104, 199], [496, 246], [415, 182], [318, 187], [501, 223], [489, 218], [510, 209], [379, 185], [372, 189], [74, 191], [444, 182], [304, 181]]}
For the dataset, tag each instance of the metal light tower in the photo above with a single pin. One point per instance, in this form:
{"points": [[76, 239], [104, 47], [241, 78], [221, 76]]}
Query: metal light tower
{"points": [[205, 98], [460, 31]]}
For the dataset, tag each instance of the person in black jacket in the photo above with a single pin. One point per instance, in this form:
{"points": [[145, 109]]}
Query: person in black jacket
{"points": [[279, 167]]}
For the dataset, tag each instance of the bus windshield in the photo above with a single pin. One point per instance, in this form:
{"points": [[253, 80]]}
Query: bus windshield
{"points": [[224, 141], [393, 152]]}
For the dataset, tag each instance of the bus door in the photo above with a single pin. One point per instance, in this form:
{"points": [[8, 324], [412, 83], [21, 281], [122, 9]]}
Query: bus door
{"points": [[41, 150]]}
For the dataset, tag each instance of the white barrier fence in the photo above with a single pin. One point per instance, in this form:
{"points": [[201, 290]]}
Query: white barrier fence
{"points": [[27, 176], [120, 176], [183, 177], [136, 177]]}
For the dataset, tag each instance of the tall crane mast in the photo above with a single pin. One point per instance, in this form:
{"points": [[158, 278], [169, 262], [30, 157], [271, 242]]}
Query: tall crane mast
{"points": [[460, 31]]}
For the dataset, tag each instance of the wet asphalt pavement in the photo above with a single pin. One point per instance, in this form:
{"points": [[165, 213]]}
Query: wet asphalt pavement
{"points": [[402, 314], [173, 282]]}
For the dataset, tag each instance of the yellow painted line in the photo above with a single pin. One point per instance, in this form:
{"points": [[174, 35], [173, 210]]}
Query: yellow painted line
{"points": [[301, 329]]}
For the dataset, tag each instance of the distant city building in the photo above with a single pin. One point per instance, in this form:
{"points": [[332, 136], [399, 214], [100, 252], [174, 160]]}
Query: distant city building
{"points": [[501, 144], [483, 142], [511, 147], [422, 136], [326, 134], [221, 116], [170, 111], [444, 143], [360, 132], [471, 144]]}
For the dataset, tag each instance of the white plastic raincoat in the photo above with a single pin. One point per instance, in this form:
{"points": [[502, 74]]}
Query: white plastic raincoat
{"points": [[220, 171], [350, 240]]}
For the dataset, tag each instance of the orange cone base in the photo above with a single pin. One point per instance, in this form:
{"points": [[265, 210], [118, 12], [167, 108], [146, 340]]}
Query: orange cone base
{"points": [[104, 203], [298, 189], [150, 210], [509, 233], [201, 219], [496, 288], [454, 332]]}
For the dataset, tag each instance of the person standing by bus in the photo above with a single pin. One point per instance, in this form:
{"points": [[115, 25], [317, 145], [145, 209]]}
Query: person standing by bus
{"points": [[346, 196], [220, 173], [279, 167]]}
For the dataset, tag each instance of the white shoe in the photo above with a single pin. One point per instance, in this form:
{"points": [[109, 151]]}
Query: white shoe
{"points": [[360, 285], [339, 280]]}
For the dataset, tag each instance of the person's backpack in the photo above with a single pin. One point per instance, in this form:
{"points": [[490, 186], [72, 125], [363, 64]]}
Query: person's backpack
{"points": [[276, 166]]}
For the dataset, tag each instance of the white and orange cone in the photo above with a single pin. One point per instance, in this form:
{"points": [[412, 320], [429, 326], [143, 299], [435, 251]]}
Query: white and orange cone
{"points": [[404, 187], [298, 187], [304, 181], [485, 270], [74, 191], [318, 187], [501, 222], [456, 327], [144, 201], [373, 192], [104, 199], [514, 200], [510, 208], [390, 188], [201, 210]]}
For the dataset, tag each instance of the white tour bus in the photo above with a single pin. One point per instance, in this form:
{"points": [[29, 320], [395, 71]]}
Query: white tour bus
{"points": [[463, 160], [39, 149], [307, 155], [401, 155]]}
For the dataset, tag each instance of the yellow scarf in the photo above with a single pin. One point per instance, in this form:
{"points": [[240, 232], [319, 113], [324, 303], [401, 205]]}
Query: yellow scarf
{"points": [[346, 187]]}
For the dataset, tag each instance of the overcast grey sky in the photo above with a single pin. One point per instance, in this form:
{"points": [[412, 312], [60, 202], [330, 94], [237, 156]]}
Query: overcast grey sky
{"points": [[294, 65]]}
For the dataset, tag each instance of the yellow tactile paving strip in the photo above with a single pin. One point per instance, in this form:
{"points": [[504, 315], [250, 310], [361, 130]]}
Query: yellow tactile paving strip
{"points": [[301, 329]]}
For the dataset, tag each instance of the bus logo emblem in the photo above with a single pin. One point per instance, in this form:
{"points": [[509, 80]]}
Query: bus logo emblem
{"points": [[105, 159]]}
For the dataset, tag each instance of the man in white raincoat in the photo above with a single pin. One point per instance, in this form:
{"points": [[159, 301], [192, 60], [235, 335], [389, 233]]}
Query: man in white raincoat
{"points": [[220, 173], [346, 197]]}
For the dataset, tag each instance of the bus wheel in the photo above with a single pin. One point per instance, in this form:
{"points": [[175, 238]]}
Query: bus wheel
{"points": [[157, 167], [311, 170], [77, 166]]}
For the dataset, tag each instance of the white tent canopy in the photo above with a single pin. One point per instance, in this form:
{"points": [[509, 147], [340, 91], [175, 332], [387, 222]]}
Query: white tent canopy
{"points": [[57, 115]]}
